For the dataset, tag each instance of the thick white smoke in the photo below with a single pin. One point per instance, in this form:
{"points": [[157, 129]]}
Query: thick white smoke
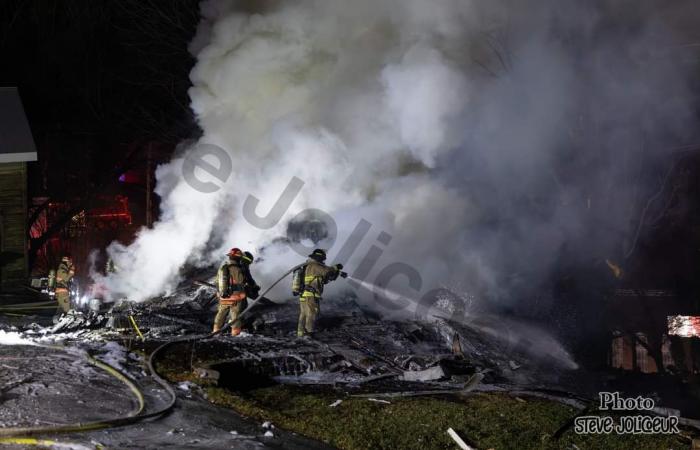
{"points": [[482, 136]]}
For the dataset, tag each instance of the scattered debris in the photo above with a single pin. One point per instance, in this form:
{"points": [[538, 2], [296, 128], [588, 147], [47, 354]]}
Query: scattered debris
{"points": [[432, 373], [468, 387], [455, 437], [208, 374], [513, 365]]}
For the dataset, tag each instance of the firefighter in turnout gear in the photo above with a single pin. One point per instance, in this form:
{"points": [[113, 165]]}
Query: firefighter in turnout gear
{"points": [[308, 284], [60, 281], [234, 284]]}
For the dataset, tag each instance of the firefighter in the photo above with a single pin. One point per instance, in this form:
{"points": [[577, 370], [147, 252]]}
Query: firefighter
{"points": [[60, 281], [315, 274], [233, 281], [110, 267], [252, 289]]}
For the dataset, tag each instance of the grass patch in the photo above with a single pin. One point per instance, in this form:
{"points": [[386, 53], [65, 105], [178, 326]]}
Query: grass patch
{"points": [[486, 421]]}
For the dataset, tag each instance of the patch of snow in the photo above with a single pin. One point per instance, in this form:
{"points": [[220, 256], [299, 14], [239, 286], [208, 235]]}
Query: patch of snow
{"points": [[69, 446], [14, 338], [269, 434], [335, 403]]}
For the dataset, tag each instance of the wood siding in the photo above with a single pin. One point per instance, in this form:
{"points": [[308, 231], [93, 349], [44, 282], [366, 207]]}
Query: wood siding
{"points": [[13, 217]]}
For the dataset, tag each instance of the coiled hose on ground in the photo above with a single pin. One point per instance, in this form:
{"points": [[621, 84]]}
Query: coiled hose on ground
{"points": [[16, 435], [133, 416]]}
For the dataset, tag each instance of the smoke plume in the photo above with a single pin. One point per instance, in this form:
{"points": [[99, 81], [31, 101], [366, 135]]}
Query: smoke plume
{"points": [[486, 139]]}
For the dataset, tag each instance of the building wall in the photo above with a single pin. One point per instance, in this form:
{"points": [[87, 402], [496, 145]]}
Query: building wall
{"points": [[13, 217]]}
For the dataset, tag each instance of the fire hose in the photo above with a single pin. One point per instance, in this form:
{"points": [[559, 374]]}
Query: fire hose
{"points": [[135, 415], [14, 435], [227, 325], [28, 306]]}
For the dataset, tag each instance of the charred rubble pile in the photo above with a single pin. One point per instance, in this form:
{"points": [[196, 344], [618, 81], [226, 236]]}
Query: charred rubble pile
{"points": [[185, 311], [353, 347]]}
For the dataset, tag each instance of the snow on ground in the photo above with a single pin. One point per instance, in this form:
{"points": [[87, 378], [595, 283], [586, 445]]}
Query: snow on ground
{"points": [[14, 338]]}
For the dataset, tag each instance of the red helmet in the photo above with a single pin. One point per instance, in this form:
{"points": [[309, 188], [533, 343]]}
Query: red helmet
{"points": [[235, 252]]}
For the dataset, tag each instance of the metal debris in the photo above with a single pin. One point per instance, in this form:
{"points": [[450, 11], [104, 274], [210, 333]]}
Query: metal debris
{"points": [[429, 374], [455, 437]]}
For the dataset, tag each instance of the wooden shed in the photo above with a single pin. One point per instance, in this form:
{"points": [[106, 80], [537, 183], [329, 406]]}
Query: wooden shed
{"points": [[16, 149]]}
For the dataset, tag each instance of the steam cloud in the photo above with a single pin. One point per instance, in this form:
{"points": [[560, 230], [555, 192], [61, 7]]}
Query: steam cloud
{"points": [[490, 139]]}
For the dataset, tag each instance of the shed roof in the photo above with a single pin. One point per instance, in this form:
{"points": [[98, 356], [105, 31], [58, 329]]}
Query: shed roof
{"points": [[16, 142]]}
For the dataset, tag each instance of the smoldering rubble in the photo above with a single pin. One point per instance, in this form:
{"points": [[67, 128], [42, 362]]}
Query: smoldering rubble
{"points": [[355, 346]]}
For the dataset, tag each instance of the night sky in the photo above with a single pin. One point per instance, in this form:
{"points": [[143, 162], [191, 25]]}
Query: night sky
{"points": [[99, 80]]}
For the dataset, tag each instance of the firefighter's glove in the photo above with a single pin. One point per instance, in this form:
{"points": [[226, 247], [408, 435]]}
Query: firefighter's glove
{"points": [[254, 292]]}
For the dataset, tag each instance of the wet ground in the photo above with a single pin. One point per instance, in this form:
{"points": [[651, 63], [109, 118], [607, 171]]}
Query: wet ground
{"points": [[45, 386], [53, 383]]}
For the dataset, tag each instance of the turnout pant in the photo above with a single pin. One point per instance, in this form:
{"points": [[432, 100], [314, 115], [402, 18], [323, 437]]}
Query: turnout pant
{"points": [[234, 310], [309, 308], [63, 299]]}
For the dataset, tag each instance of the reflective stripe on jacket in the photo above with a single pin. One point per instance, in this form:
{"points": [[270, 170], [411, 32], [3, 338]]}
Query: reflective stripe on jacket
{"points": [[315, 276], [231, 277], [64, 274]]}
